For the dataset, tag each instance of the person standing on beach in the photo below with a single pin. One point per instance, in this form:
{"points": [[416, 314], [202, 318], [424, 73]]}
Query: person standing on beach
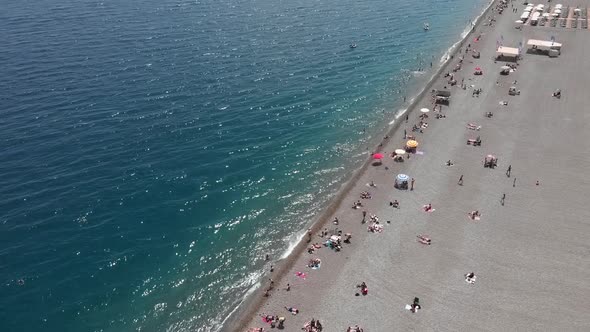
{"points": [[407, 116], [509, 170], [514, 183], [460, 180], [412, 184]]}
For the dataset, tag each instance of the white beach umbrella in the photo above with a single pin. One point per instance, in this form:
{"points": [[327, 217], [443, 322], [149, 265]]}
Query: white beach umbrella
{"points": [[400, 151], [425, 110], [545, 14], [504, 67], [577, 10]]}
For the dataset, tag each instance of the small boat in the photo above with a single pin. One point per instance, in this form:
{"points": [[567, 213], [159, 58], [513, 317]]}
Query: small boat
{"points": [[353, 45], [426, 27]]}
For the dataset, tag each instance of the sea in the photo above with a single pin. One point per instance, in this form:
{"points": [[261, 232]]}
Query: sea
{"points": [[153, 152]]}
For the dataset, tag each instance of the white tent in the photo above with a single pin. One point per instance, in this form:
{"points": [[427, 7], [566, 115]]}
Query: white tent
{"points": [[508, 52], [543, 44]]}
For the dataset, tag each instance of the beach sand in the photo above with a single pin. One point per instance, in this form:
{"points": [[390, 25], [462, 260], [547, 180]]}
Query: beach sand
{"points": [[530, 255]]}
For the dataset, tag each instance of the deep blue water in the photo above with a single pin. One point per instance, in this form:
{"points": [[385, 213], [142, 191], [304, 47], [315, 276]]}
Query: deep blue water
{"points": [[151, 152]]}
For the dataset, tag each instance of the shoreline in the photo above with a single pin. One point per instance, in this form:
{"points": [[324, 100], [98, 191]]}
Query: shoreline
{"points": [[251, 304]]}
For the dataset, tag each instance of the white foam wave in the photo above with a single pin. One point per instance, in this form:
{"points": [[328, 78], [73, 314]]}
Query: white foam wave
{"points": [[464, 34], [292, 243]]}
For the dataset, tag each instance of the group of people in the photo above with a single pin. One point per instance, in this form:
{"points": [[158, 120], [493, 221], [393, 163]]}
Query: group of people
{"points": [[274, 321], [313, 326], [365, 195], [364, 288]]}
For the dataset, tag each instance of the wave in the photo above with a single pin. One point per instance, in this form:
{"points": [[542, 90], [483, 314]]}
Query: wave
{"points": [[464, 34]]}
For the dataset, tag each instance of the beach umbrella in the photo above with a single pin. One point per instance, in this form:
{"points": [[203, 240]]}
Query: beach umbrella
{"points": [[402, 178], [425, 110], [577, 10], [377, 156], [400, 151], [545, 14], [505, 68], [412, 144], [477, 68]]}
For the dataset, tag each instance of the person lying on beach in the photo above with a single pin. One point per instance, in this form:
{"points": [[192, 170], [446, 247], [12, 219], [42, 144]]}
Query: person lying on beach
{"points": [[335, 221], [256, 329], [415, 305], [357, 205], [365, 195], [489, 114], [504, 103], [474, 214], [372, 184], [374, 218], [314, 263], [394, 204], [473, 126], [449, 163], [427, 207], [440, 116], [292, 310], [424, 239], [470, 277], [356, 328]]}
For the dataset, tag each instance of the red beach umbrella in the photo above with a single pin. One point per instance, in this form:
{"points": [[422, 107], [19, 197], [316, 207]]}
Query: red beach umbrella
{"points": [[377, 156], [477, 68]]}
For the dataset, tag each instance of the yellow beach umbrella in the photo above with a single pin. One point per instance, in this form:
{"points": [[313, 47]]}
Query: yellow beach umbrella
{"points": [[412, 144]]}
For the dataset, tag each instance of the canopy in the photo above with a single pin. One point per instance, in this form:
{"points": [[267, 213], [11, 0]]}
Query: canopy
{"points": [[412, 144], [543, 44], [557, 11], [577, 10], [546, 14], [525, 15], [505, 68], [377, 156], [443, 93], [425, 110], [402, 177], [508, 51], [400, 151]]}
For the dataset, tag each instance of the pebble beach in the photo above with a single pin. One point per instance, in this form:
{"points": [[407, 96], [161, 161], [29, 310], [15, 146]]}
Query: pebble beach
{"points": [[528, 248]]}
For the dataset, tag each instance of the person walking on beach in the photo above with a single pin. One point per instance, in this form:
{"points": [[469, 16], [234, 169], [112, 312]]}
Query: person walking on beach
{"points": [[405, 134], [514, 183], [503, 198], [407, 116], [460, 180], [412, 184], [509, 170]]}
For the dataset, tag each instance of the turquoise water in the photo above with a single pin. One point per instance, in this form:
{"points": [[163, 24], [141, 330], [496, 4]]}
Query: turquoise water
{"points": [[153, 151]]}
